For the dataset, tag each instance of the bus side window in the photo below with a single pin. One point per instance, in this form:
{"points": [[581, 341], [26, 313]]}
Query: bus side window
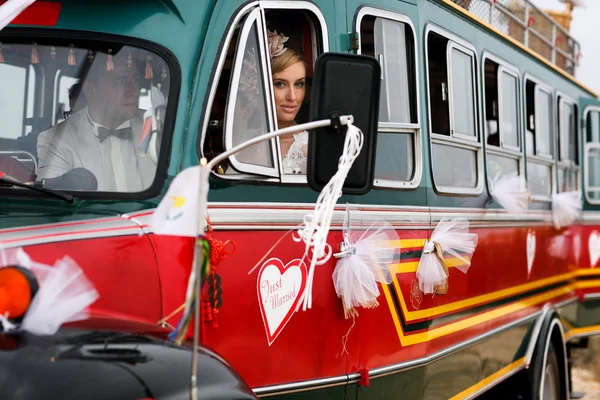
{"points": [[389, 37], [502, 123], [592, 156], [568, 160], [540, 138], [456, 149], [243, 105]]}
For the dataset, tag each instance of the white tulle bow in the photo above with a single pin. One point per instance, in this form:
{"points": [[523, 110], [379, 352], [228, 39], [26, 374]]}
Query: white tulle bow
{"points": [[451, 237], [63, 296], [316, 223], [362, 263], [510, 192], [566, 207]]}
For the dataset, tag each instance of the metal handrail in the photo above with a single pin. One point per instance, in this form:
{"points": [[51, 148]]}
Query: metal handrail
{"points": [[528, 26]]}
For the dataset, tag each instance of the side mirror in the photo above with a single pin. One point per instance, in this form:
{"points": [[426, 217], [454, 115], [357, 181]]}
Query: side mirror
{"points": [[347, 84]]}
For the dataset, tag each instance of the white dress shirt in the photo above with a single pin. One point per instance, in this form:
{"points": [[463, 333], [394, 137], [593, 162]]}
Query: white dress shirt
{"points": [[118, 164]]}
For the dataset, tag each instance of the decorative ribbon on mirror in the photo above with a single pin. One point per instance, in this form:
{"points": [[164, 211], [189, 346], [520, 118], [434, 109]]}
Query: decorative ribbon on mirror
{"points": [[363, 261], [316, 224], [452, 238], [510, 191], [566, 207], [52, 296]]}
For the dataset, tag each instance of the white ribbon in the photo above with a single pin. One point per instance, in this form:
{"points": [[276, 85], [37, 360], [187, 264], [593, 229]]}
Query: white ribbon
{"points": [[566, 207], [316, 224], [510, 192], [454, 238], [363, 261], [63, 296]]}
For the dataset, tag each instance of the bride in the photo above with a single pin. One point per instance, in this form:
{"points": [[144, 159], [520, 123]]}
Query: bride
{"points": [[289, 87]]}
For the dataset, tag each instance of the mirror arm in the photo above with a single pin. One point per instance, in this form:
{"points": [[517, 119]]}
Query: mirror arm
{"points": [[336, 120]]}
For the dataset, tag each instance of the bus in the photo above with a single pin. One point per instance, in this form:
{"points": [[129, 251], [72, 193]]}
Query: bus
{"points": [[470, 89]]}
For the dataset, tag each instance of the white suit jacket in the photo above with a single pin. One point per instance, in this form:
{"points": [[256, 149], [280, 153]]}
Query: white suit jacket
{"points": [[118, 164]]}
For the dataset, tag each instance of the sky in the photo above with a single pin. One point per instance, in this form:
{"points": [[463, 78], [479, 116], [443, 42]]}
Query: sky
{"points": [[584, 30]]}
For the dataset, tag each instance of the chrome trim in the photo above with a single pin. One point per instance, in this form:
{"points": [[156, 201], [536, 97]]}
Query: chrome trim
{"points": [[536, 333], [266, 391], [591, 296], [403, 127], [454, 39], [391, 369], [387, 370], [555, 322]]}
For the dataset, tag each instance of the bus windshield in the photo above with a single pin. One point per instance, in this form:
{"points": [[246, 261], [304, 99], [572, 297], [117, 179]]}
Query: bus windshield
{"points": [[81, 115]]}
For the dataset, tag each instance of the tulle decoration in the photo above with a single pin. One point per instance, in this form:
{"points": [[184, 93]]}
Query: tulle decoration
{"points": [[63, 296], [453, 238], [363, 262], [510, 192], [566, 207]]}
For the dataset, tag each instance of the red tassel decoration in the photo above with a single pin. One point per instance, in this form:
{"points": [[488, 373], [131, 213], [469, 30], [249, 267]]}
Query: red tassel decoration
{"points": [[71, 59], [35, 57], [149, 72], [110, 66]]}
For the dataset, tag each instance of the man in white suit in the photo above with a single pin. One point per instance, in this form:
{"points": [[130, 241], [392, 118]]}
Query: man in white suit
{"points": [[103, 136]]}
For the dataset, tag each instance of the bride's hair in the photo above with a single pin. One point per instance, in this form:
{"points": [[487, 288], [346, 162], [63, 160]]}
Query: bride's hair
{"points": [[283, 61]]}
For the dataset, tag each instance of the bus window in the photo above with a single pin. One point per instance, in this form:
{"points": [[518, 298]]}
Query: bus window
{"points": [[502, 127], [248, 102], [389, 37], [592, 156], [456, 150], [539, 138], [12, 107], [568, 164]]}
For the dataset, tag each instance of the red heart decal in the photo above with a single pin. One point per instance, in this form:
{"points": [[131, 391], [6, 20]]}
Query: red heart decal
{"points": [[279, 289]]}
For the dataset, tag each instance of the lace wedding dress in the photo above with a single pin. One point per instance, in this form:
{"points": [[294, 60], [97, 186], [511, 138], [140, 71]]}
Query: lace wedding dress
{"points": [[294, 161]]}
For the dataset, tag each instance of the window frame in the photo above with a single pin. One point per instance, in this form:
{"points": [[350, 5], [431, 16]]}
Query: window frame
{"points": [[221, 56], [254, 17], [58, 37], [541, 159], [395, 127], [563, 164], [435, 138], [506, 151], [587, 146], [463, 49]]}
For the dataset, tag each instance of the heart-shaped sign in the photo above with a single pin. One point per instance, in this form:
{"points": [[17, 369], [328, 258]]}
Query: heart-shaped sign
{"points": [[594, 245], [279, 289], [577, 248], [530, 251]]}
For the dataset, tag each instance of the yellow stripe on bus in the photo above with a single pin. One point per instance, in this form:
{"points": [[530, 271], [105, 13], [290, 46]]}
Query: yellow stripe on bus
{"points": [[520, 363]]}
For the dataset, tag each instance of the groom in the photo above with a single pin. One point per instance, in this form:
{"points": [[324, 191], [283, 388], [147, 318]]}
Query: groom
{"points": [[102, 137]]}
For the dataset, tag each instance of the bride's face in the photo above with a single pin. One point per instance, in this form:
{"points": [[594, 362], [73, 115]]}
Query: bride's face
{"points": [[289, 88]]}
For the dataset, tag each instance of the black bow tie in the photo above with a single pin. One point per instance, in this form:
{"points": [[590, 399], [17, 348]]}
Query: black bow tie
{"points": [[124, 133]]}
